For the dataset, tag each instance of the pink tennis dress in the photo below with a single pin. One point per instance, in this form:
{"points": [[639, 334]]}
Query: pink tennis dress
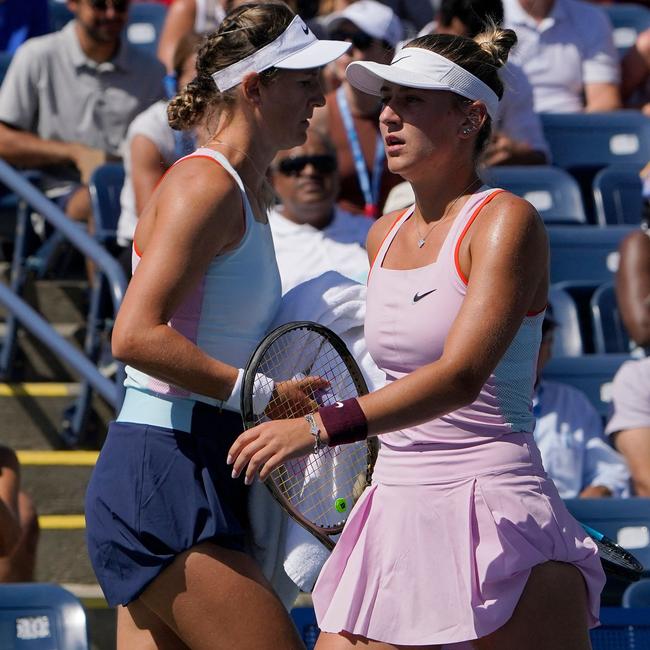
{"points": [[440, 546]]}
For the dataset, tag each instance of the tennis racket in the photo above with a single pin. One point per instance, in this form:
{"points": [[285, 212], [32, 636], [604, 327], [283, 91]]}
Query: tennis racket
{"points": [[615, 559], [320, 489]]}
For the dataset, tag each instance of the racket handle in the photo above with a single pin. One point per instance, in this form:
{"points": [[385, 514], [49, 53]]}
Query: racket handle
{"points": [[599, 537]]}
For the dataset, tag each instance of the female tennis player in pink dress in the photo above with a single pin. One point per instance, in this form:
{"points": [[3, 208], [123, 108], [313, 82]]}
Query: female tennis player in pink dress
{"points": [[461, 539]]}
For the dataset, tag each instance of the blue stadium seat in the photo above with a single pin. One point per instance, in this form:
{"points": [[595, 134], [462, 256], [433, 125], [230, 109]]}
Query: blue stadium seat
{"points": [[622, 629], [105, 186], [146, 21], [584, 143], [608, 329], [60, 15], [625, 520], [585, 253], [637, 594], [592, 374], [628, 20], [553, 191], [304, 619], [568, 338], [618, 195], [41, 616], [595, 140]]}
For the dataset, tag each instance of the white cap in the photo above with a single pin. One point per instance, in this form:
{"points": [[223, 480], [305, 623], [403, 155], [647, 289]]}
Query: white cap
{"points": [[373, 18], [295, 49], [415, 67]]}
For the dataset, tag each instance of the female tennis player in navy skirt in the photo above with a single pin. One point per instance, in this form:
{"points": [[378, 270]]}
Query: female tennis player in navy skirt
{"points": [[166, 522], [461, 539]]}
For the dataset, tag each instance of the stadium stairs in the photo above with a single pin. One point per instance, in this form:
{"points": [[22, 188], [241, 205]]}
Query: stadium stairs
{"points": [[33, 401]]}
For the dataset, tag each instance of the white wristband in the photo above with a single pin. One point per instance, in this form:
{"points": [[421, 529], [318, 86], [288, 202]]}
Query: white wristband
{"points": [[233, 403], [262, 391]]}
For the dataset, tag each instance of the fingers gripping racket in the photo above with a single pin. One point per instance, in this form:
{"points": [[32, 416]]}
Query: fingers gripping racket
{"points": [[615, 559], [320, 489]]}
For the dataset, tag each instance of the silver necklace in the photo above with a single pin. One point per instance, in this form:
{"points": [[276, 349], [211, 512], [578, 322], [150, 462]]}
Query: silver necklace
{"points": [[422, 240]]}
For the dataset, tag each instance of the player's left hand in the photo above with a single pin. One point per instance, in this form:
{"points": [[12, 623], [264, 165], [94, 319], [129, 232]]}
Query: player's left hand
{"points": [[264, 447]]}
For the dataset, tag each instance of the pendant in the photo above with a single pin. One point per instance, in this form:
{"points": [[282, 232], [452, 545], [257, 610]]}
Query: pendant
{"points": [[420, 243]]}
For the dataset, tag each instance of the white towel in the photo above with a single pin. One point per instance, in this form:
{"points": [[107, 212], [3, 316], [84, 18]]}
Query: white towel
{"points": [[339, 304]]}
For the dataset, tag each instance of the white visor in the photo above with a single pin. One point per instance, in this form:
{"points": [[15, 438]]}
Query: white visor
{"points": [[295, 49], [416, 67]]}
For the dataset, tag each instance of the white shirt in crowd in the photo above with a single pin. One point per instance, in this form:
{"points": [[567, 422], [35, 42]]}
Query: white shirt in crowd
{"points": [[151, 123], [569, 434], [570, 48], [304, 252]]}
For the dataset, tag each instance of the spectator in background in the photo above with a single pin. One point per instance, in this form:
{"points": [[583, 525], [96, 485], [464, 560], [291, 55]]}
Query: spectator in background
{"points": [[204, 16], [629, 425], [310, 234], [633, 277], [20, 20], [566, 48], [569, 434], [18, 523], [69, 97], [635, 74], [518, 138], [187, 16], [151, 148], [351, 116]]}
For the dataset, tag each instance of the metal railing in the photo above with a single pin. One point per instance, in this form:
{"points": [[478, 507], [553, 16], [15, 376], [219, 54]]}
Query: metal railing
{"points": [[109, 274]]}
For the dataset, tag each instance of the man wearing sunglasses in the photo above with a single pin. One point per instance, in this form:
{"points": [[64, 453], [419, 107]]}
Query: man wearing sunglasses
{"points": [[350, 116], [311, 235], [69, 97]]}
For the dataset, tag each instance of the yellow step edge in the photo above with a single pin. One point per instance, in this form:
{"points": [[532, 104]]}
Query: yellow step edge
{"points": [[39, 389], [62, 522], [50, 457]]}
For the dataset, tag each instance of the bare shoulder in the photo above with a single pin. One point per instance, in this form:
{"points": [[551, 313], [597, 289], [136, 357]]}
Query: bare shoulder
{"points": [[508, 218], [199, 186], [379, 230], [637, 240]]}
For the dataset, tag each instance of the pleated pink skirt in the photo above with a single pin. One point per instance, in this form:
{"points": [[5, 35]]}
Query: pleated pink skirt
{"points": [[444, 559]]}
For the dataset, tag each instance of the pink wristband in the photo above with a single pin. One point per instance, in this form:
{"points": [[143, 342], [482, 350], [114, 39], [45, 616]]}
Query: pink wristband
{"points": [[344, 422]]}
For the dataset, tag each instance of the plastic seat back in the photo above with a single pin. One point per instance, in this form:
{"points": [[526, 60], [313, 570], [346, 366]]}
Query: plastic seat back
{"points": [[105, 187], [568, 338], [554, 193], [618, 195], [145, 24], [628, 21], [585, 253], [41, 616], [592, 374], [637, 594], [609, 333], [595, 140]]}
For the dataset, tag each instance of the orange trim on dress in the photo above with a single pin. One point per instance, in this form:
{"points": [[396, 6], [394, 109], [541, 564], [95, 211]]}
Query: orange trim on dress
{"points": [[484, 202], [200, 155], [390, 230]]}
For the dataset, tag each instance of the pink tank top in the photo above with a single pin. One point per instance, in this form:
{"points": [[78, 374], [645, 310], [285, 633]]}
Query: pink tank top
{"points": [[408, 316]]}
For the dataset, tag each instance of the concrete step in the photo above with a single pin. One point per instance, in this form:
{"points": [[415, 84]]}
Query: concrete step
{"points": [[32, 415]]}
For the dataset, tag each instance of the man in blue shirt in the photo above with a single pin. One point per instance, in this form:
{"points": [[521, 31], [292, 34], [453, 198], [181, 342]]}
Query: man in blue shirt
{"points": [[569, 434]]}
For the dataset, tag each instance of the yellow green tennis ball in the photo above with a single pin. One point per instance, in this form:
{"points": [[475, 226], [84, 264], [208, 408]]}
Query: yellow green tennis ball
{"points": [[341, 505]]}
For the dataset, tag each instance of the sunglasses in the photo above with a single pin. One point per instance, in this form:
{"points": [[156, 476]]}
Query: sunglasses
{"points": [[120, 6], [323, 164], [360, 40]]}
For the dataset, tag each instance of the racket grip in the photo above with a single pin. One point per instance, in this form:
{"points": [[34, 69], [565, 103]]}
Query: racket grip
{"points": [[344, 422]]}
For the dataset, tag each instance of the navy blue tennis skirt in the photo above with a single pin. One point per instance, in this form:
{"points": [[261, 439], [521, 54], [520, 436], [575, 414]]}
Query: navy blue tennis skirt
{"points": [[156, 492]]}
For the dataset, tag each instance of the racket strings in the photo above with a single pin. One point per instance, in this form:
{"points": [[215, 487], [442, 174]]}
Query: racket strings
{"points": [[324, 485]]}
